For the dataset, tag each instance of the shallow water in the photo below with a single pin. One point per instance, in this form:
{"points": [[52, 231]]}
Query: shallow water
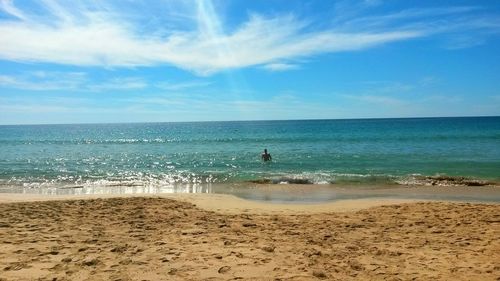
{"points": [[288, 193], [168, 155]]}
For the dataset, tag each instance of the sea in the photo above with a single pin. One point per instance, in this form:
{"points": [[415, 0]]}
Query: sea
{"points": [[195, 156]]}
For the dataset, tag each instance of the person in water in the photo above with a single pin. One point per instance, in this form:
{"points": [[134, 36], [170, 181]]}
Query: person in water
{"points": [[266, 156]]}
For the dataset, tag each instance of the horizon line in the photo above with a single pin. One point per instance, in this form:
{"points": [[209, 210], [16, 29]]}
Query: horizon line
{"points": [[253, 120]]}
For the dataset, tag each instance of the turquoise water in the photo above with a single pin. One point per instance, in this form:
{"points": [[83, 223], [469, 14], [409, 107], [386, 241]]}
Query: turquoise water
{"points": [[368, 151]]}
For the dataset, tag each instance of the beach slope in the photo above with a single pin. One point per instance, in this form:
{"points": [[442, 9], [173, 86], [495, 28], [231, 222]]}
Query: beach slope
{"points": [[153, 238]]}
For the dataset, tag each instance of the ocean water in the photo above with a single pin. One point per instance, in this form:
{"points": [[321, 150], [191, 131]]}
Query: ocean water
{"points": [[339, 152]]}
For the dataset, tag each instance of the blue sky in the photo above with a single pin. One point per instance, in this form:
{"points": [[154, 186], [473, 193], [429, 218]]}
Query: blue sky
{"points": [[161, 61]]}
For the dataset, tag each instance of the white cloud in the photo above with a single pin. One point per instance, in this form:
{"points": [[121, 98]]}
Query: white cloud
{"points": [[101, 39], [280, 66], [96, 36]]}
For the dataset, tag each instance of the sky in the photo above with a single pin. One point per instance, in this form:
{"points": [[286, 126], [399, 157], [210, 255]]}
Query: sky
{"points": [[166, 61]]}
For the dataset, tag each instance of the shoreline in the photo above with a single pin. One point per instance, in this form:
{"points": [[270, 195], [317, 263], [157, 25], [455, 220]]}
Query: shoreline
{"points": [[225, 203], [273, 194], [289, 199], [356, 180]]}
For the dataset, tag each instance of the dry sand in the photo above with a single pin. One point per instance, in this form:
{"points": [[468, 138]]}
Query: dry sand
{"points": [[224, 238]]}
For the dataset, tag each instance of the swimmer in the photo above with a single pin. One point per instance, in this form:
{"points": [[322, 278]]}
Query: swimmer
{"points": [[266, 156]]}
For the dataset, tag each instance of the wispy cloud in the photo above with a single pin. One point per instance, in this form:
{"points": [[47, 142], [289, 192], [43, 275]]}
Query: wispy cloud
{"points": [[462, 42], [162, 107], [62, 81], [495, 98], [104, 35], [33, 108], [372, 2], [428, 81], [409, 18], [8, 7], [175, 86], [397, 94], [280, 66], [44, 81], [387, 87], [129, 83], [182, 107], [387, 101], [210, 108]]}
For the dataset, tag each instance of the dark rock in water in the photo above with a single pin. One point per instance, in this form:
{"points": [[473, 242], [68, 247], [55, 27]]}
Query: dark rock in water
{"points": [[292, 181], [301, 181], [262, 181], [477, 183], [283, 180], [448, 180], [444, 180]]}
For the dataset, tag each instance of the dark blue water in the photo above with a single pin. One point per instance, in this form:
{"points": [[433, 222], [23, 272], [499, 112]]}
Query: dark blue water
{"points": [[369, 151]]}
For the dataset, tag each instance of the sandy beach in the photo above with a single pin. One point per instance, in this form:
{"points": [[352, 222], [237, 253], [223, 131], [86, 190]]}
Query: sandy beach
{"points": [[221, 237]]}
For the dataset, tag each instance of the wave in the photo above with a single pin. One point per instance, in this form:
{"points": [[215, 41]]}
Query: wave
{"points": [[192, 179], [128, 180], [378, 179], [326, 178]]}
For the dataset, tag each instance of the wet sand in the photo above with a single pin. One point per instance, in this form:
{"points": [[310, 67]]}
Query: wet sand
{"points": [[220, 237], [277, 193]]}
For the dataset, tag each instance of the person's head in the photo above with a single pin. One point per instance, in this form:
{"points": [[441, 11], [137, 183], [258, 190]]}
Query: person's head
{"points": [[265, 150]]}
